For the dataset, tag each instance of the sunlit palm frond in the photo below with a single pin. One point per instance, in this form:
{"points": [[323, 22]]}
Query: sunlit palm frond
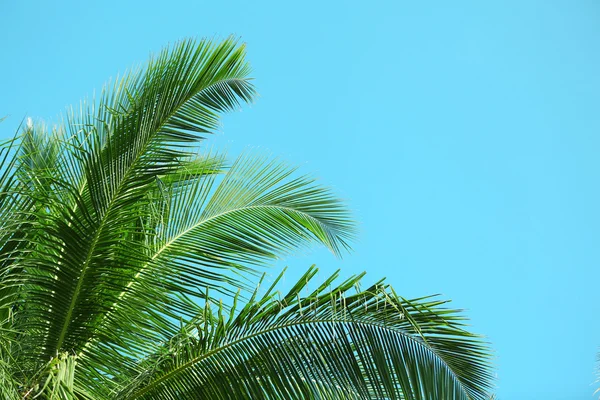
{"points": [[255, 212], [87, 246], [336, 341], [118, 241]]}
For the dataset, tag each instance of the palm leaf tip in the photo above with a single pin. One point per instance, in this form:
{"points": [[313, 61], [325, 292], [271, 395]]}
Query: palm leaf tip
{"points": [[217, 80], [279, 209]]}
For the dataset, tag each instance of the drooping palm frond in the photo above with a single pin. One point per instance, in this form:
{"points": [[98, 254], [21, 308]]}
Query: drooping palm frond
{"points": [[335, 342]]}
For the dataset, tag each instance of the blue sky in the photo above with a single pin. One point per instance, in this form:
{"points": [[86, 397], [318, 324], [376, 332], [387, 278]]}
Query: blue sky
{"points": [[465, 136]]}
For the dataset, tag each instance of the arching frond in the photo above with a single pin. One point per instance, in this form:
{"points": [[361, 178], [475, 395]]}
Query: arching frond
{"points": [[333, 342], [118, 240], [255, 212]]}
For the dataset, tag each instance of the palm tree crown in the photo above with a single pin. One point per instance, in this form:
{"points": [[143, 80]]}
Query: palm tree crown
{"points": [[128, 256]]}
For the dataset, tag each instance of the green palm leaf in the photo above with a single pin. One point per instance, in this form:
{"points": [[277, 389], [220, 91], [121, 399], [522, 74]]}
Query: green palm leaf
{"points": [[257, 212], [86, 252], [118, 239], [334, 342]]}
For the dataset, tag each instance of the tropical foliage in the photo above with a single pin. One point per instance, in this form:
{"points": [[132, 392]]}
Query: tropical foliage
{"points": [[129, 259]]}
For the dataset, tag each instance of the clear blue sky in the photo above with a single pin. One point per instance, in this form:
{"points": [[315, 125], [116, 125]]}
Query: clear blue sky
{"points": [[466, 136]]}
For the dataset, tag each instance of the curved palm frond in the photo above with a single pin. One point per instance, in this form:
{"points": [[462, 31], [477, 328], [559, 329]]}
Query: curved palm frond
{"points": [[117, 239], [257, 212], [128, 223], [334, 342]]}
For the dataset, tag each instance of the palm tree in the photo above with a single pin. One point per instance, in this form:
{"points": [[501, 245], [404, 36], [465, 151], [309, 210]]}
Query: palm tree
{"points": [[129, 261]]}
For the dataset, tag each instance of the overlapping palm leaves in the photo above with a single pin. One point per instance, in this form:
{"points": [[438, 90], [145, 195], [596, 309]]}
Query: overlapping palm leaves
{"points": [[335, 340], [120, 238]]}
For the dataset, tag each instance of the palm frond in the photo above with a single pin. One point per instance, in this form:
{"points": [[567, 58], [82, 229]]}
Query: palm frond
{"points": [[334, 342], [87, 243], [257, 211], [118, 242], [16, 201]]}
